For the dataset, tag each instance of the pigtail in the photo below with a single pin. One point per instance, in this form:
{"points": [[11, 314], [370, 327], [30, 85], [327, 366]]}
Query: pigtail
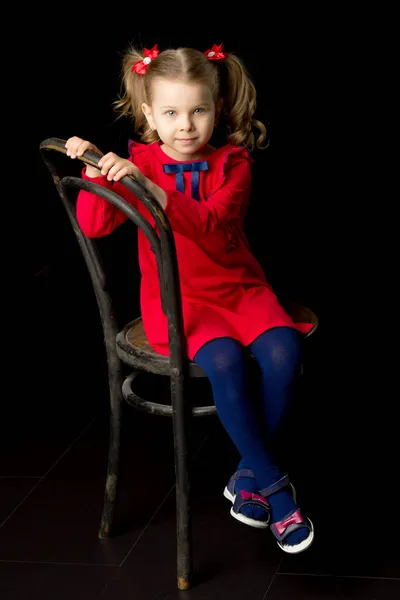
{"points": [[129, 104], [239, 104]]}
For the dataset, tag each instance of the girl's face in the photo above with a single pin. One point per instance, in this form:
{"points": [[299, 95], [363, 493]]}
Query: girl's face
{"points": [[183, 115]]}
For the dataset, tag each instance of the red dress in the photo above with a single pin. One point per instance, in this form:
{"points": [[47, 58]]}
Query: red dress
{"points": [[224, 290]]}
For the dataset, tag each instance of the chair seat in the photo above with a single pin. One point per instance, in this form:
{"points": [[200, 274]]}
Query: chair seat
{"points": [[133, 347], [302, 314]]}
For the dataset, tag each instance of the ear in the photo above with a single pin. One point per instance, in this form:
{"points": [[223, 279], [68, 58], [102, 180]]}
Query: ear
{"points": [[146, 109]]}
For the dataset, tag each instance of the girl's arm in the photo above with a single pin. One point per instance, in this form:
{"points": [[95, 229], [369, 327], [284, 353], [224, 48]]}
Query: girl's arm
{"points": [[95, 215], [194, 219]]}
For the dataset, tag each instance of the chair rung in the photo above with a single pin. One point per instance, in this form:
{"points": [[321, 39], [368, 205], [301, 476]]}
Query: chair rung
{"points": [[155, 408]]}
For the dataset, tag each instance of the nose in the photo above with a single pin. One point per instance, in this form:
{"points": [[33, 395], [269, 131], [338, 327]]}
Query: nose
{"points": [[185, 123]]}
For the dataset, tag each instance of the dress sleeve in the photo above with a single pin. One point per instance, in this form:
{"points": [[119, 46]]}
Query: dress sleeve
{"points": [[96, 216], [196, 219]]}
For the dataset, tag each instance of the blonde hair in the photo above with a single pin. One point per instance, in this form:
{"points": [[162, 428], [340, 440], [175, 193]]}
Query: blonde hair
{"points": [[228, 80]]}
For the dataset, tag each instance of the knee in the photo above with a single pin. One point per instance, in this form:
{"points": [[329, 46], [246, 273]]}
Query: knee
{"points": [[226, 365], [221, 360], [280, 353]]}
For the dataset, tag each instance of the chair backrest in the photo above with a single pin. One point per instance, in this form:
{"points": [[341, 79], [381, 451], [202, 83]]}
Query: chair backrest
{"points": [[162, 244]]}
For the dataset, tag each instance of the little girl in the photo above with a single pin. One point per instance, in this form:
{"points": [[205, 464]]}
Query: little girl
{"points": [[176, 98]]}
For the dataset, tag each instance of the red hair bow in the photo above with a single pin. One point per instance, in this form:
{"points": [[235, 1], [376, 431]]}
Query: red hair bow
{"points": [[141, 66], [215, 53]]}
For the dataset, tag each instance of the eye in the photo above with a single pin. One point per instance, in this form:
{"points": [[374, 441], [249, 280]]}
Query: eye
{"points": [[198, 111], [170, 113]]}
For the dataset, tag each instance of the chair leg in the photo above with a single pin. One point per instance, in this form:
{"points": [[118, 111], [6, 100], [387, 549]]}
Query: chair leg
{"points": [[183, 516], [110, 493]]}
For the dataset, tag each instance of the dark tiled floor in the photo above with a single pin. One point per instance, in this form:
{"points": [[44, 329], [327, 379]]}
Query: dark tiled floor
{"points": [[52, 471]]}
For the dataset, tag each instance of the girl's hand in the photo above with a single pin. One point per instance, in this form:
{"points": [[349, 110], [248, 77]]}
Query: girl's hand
{"points": [[77, 147], [115, 167]]}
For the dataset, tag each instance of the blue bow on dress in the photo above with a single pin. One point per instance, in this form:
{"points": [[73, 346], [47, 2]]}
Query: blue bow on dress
{"points": [[180, 168]]}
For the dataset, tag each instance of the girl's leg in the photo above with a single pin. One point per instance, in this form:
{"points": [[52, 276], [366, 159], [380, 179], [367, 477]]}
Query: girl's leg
{"points": [[278, 354], [223, 361]]}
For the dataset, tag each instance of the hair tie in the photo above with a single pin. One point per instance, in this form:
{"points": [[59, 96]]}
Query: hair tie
{"points": [[215, 53], [140, 67]]}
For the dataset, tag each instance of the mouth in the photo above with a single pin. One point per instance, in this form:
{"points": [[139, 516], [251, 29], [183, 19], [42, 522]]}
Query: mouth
{"points": [[186, 140]]}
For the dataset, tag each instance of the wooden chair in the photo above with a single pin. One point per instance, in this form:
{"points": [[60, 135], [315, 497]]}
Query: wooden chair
{"points": [[129, 346]]}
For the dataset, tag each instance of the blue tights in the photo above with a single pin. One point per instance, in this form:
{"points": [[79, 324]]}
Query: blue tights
{"points": [[277, 352]]}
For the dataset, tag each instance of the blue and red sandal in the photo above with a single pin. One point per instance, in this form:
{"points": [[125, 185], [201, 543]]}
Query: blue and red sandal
{"points": [[244, 498], [292, 522]]}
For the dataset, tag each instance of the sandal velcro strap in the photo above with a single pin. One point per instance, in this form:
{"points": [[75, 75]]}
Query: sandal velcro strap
{"points": [[238, 475], [242, 473], [295, 521], [278, 485]]}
